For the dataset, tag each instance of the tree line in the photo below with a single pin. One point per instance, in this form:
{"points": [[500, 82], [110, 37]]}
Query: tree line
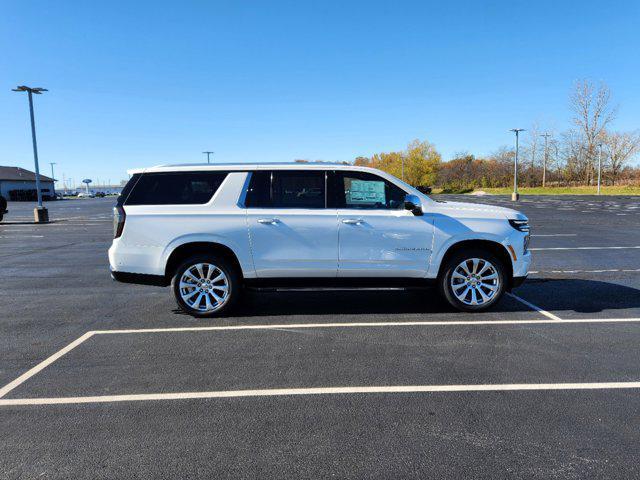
{"points": [[546, 158]]}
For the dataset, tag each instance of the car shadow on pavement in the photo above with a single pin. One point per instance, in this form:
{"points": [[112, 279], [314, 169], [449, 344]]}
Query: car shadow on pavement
{"points": [[580, 295], [583, 296]]}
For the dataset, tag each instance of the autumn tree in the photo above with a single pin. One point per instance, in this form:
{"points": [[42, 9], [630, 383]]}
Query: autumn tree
{"points": [[417, 165]]}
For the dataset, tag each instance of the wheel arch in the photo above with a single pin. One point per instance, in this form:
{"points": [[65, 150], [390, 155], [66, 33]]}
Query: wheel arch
{"points": [[495, 248], [188, 249]]}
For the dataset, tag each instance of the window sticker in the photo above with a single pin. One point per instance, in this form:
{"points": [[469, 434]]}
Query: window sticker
{"points": [[366, 192]]}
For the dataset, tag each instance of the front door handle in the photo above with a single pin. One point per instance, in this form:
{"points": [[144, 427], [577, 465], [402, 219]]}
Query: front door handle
{"points": [[268, 221], [352, 221]]}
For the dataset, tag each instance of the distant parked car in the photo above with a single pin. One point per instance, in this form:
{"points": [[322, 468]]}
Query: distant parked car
{"points": [[85, 195], [100, 194], [3, 207], [424, 189]]}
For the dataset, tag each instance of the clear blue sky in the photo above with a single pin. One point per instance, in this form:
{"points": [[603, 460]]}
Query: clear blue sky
{"points": [[139, 83]]}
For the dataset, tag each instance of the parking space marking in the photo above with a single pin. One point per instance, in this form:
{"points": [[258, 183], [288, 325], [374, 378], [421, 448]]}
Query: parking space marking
{"points": [[610, 270], [555, 235], [583, 248], [278, 392], [30, 373], [534, 307], [552, 320]]}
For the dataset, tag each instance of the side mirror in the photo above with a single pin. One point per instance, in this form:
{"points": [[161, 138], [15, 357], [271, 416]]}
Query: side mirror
{"points": [[413, 203]]}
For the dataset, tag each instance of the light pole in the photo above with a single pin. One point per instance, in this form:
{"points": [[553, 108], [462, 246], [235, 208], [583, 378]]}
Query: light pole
{"points": [[209, 153], [40, 213], [515, 196], [53, 177], [546, 154], [599, 165]]}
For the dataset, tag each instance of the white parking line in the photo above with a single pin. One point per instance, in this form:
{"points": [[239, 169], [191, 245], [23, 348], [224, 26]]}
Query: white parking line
{"points": [[534, 307], [555, 235], [583, 248], [587, 271], [30, 373], [552, 320], [21, 236], [276, 392]]}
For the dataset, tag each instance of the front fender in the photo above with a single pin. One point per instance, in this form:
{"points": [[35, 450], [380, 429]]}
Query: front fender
{"points": [[449, 232]]}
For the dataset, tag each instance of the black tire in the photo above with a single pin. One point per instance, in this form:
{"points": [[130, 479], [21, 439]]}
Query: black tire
{"points": [[447, 290], [233, 281]]}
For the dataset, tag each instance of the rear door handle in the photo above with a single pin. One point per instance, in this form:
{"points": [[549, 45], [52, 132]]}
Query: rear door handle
{"points": [[352, 221], [268, 221]]}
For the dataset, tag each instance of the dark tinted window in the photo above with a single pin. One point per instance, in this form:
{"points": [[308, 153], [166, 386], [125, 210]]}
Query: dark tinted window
{"points": [[259, 192], [367, 191], [127, 189], [286, 189], [175, 188]]}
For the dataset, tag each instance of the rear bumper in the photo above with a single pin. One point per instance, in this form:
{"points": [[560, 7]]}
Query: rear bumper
{"points": [[140, 278]]}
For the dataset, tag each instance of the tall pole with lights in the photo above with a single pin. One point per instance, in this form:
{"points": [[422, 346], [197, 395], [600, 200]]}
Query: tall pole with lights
{"points": [[599, 165], [53, 177], [208, 153], [515, 195], [40, 213]]}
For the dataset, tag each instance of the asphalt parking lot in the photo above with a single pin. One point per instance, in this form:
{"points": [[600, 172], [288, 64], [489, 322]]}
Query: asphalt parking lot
{"points": [[369, 384]]}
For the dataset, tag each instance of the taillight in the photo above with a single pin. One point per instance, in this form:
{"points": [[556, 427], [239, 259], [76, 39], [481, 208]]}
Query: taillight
{"points": [[118, 221]]}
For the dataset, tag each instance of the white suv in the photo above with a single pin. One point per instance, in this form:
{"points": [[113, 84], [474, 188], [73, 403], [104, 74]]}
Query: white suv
{"points": [[210, 230]]}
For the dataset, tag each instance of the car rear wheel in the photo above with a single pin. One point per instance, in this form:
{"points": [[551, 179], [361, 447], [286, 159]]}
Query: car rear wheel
{"points": [[472, 280], [206, 286]]}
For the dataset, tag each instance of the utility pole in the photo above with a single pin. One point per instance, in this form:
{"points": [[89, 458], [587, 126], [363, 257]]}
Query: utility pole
{"points": [[515, 196], [209, 153], [599, 165], [403, 168], [546, 156], [53, 177], [40, 213]]}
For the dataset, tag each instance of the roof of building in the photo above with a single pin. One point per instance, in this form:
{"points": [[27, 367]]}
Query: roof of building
{"points": [[17, 173]]}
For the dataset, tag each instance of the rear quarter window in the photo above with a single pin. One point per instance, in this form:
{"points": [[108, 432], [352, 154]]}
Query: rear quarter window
{"points": [[175, 188]]}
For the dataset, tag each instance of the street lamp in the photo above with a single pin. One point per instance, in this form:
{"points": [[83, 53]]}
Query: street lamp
{"points": [[53, 177], [599, 164], [515, 196], [40, 213], [209, 153]]}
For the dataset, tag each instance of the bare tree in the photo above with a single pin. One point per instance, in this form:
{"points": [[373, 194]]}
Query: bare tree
{"points": [[592, 113], [620, 148], [530, 153]]}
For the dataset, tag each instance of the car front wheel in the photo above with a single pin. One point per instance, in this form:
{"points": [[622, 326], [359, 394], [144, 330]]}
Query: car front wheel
{"points": [[473, 280], [206, 285]]}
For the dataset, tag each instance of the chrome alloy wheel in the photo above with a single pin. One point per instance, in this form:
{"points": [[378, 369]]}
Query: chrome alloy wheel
{"points": [[204, 287], [475, 281]]}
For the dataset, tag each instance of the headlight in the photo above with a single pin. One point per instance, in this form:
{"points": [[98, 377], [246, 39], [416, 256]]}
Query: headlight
{"points": [[520, 225]]}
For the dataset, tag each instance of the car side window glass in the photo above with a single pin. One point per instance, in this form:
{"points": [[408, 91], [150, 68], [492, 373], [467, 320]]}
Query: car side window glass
{"points": [[286, 189], [364, 190], [184, 188], [302, 189], [259, 191]]}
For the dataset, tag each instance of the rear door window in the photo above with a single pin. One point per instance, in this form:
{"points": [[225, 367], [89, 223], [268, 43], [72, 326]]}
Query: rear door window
{"points": [[175, 188], [287, 189]]}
